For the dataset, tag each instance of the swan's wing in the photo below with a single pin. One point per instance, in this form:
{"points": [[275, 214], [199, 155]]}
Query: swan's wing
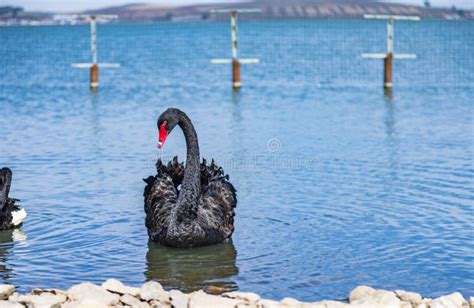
{"points": [[218, 200], [210, 172], [173, 169], [160, 197], [9, 217]]}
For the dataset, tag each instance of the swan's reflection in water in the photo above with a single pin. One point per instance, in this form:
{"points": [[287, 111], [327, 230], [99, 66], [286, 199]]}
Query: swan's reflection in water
{"points": [[212, 267], [7, 239]]}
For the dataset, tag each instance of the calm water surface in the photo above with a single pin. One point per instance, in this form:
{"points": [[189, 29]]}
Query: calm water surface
{"points": [[337, 184]]}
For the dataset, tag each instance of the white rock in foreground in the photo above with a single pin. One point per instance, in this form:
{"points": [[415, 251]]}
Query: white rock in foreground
{"points": [[89, 291], [179, 299], [129, 300], [116, 286], [201, 299], [152, 295], [8, 304], [44, 300], [157, 304], [410, 297], [246, 296], [291, 302], [361, 292], [267, 303], [453, 300], [365, 297], [152, 290], [326, 304], [6, 290], [86, 303], [50, 291]]}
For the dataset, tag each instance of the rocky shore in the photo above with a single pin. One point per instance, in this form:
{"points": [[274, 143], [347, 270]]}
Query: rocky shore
{"points": [[113, 293]]}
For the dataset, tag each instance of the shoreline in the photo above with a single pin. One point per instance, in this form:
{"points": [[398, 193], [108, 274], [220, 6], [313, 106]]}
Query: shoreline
{"points": [[113, 293]]}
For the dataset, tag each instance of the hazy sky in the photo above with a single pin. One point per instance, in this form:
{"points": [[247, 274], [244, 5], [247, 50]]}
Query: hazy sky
{"points": [[77, 5]]}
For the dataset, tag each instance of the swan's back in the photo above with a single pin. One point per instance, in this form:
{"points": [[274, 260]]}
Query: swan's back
{"points": [[218, 199]]}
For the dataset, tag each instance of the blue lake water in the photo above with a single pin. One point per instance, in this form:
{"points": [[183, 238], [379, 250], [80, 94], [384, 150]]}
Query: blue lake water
{"points": [[338, 184]]}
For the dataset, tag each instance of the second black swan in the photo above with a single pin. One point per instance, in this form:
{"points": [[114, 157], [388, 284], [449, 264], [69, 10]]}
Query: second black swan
{"points": [[188, 205], [11, 215]]}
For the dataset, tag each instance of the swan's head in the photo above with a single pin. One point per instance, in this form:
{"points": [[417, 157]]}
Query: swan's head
{"points": [[166, 122], [5, 182]]}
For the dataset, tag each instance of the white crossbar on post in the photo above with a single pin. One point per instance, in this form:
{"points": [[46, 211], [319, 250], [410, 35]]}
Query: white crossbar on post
{"points": [[384, 55], [394, 17], [236, 10], [84, 16], [228, 61], [101, 65]]}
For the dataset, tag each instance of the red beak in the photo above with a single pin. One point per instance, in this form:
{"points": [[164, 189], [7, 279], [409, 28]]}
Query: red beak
{"points": [[163, 135]]}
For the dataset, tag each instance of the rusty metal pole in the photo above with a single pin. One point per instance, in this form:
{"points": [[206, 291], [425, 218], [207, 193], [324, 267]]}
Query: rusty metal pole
{"points": [[236, 74], [388, 71], [236, 84], [388, 61], [94, 77], [94, 70]]}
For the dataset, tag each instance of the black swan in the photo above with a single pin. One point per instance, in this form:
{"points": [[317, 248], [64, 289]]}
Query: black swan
{"points": [[192, 205], [11, 215]]}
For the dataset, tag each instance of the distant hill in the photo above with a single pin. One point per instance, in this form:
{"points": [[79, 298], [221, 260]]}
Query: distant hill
{"points": [[278, 9], [270, 9]]}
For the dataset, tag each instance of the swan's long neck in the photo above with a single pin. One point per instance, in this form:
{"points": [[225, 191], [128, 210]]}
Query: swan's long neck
{"points": [[190, 193], [4, 190]]}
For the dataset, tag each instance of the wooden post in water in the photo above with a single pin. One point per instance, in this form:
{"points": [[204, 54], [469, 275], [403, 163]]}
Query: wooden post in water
{"points": [[389, 56], [94, 75], [236, 74], [388, 61], [235, 61], [388, 71], [94, 65]]}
